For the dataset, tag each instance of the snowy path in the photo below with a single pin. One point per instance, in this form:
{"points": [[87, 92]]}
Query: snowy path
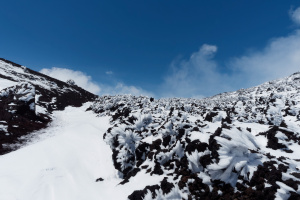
{"points": [[65, 165]]}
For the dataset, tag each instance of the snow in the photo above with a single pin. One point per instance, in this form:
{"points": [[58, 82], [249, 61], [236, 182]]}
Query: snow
{"points": [[194, 161], [4, 83], [65, 164], [234, 154], [22, 74], [228, 137], [283, 191], [203, 137], [3, 127]]}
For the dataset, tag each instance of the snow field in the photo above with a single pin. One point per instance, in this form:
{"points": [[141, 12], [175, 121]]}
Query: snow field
{"points": [[65, 164], [4, 83]]}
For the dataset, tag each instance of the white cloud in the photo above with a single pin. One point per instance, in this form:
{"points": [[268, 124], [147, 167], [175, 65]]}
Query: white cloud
{"points": [[197, 76], [208, 50], [281, 57], [121, 88], [109, 72], [79, 77], [295, 15], [201, 74], [86, 82]]}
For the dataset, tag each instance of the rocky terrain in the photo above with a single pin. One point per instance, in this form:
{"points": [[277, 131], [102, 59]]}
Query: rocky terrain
{"points": [[236, 145]]}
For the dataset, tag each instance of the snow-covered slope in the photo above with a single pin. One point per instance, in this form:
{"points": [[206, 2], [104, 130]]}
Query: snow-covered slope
{"points": [[67, 160], [62, 163], [242, 145], [51, 92], [237, 145], [27, 99]]}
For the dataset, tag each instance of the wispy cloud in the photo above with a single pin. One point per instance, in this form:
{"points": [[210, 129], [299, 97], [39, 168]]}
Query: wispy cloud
{"points": [[80, 78], [197, 76], [281, 57], [200, 75], [85, 81], [295, 15], [109, 72], [121, 88]]}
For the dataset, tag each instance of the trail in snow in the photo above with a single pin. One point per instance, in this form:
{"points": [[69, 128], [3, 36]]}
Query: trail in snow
{"points": [[66, 164]]}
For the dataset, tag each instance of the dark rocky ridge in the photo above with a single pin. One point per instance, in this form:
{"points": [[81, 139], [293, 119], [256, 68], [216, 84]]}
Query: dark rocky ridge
{"points": [[18, 114], [66, 94]]}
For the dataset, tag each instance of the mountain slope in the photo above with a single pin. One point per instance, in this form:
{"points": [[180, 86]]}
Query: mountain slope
{"points": [[27, 100], [236, 145], [240, 145], [64, 160], [62, 164]]}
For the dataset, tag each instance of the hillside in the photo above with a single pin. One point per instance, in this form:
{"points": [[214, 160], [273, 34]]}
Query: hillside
{"points": [[241, 145], [71, 144], [27, 99]]}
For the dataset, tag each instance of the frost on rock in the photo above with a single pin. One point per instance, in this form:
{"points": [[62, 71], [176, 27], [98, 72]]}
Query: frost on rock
{"points": [[194, 164], [17, 110], [71, 82], [237, 145], [143, 121], [236, 156]]}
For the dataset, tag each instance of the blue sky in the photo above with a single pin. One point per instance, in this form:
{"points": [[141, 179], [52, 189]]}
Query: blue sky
{"points": [[161, 48]]}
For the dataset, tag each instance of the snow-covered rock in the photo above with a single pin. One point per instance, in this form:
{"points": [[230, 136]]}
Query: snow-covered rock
{"points": [[232, 145]]}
